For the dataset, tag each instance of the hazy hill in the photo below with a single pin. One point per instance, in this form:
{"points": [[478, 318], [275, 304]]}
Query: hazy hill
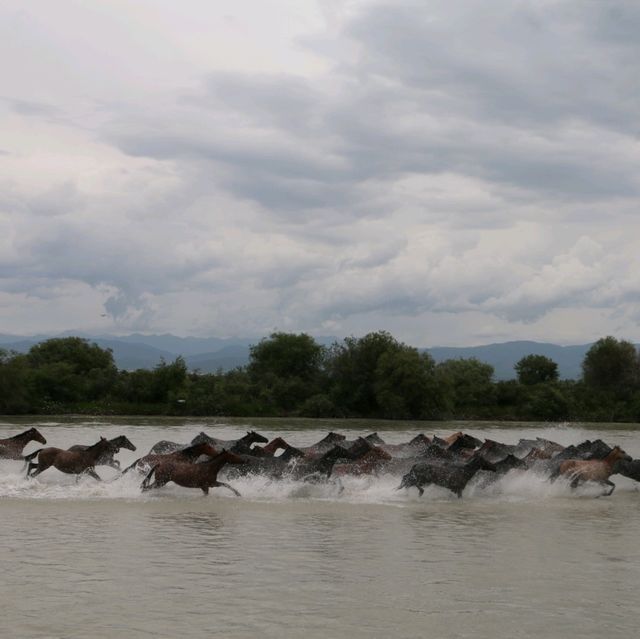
{"points": [[504, 356], [211, 354]]}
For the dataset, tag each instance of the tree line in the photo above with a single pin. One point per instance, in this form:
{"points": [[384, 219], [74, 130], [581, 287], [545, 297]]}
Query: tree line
{"points": [[288, 374]]}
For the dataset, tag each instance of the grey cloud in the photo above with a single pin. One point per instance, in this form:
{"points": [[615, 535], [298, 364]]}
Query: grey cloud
{"points": [[447, 121], [33, 108], [435, 89]]}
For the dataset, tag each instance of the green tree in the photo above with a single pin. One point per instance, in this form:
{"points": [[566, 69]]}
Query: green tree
{"points": [[612, 365], [545, 402], [352, 370], [467, 385], [286, 369], [536, 369], [405, 385], [70, 369], [14, 384]]}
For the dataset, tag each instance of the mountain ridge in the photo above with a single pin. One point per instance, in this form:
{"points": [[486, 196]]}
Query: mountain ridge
{"points": [[210, 354]]}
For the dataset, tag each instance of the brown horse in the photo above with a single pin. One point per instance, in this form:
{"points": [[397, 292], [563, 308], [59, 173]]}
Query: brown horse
{"points": [[598, 470], [270, 449], [72, 462], [186, 455], [202, 476], [368, 464], [11, 447]]}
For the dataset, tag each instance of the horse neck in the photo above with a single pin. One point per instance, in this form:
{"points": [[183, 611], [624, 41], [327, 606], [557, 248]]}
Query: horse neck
{"points": [[193, 451], [214, 464], [613, 456], [93, 452], [273, 445], [27, 436]]}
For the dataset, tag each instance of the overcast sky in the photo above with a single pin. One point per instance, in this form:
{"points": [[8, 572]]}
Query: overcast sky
{"points": [[456, 173]]}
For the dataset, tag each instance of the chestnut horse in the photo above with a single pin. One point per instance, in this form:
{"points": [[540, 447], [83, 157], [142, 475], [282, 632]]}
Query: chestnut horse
{"points": [[186, 455], [270, 449], [371, 462], [598, 470], [202, 476], [72, 462], [11, 447]]}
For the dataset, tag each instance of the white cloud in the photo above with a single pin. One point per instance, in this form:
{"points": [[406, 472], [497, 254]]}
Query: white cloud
{"points": [[450, 172]]}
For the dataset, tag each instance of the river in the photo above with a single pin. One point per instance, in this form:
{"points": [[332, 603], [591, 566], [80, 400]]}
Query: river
{"points": [[522, 558]]}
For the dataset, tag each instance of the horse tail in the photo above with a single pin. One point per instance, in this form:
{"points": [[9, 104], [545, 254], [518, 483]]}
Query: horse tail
{"points": [[145, 482], [30, 456]]}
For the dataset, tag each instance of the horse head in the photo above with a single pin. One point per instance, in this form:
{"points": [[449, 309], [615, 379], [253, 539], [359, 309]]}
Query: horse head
{"points": [[255, 438], [122, 442], [374, 439], [35, 435], [617, 454]]}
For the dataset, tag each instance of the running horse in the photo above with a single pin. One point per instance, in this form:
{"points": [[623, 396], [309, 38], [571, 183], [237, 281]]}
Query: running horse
{"points": [[598, 470], [11, 447], [203, 475], [72, 462], [236, 445], [107, 458], [187, 455]]}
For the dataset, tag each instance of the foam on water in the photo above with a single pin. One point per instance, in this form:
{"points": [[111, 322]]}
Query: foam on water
{"points": [[515, 486], [382, 489]]}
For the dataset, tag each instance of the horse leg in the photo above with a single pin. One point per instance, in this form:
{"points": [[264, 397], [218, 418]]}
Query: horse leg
{"points": [[231, 488], [40, 468], [575, 482], [607, 482], [205, 489], [31, 466], [92, 473]]}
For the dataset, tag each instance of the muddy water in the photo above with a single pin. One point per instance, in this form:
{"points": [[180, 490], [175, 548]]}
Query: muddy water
{"points": [[520, 559]]}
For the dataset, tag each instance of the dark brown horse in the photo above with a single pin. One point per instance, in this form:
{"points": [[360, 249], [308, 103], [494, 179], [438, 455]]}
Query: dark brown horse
{"points": [[598, 470], [11, 447], [72, 462], [107, 458], [270, 449], [186, 455], [202, 476]]}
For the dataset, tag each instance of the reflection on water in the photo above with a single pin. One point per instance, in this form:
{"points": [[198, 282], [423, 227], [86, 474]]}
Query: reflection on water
{"points": [[516, 560]]}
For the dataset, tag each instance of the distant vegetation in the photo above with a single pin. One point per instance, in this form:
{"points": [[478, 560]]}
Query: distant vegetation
{"points": [[288, 374]]}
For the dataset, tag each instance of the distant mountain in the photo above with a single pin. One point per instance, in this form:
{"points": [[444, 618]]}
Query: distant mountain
{"points": [[126, 356], [187, 346], [503, 357], [210, 354], [226, 358]]}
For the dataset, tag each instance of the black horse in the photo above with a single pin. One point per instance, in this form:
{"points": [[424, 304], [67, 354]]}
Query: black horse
{"points": [[453, 475]]}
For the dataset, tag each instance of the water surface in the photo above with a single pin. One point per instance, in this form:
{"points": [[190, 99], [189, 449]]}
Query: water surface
{"points": [[523, 558]]}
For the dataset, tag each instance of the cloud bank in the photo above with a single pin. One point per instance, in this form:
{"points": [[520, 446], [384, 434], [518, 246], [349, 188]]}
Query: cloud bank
{"points": [[453, 173]]}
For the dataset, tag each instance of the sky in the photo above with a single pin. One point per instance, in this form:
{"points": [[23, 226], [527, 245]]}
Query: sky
{"points": [[456, 173]]}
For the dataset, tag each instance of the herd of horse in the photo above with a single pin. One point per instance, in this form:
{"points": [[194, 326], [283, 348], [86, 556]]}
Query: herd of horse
{"points": [[450, 462]]}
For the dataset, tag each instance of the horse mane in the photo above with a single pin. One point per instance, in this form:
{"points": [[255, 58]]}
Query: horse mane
{"points": [[101, 441], [19, 435]]}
